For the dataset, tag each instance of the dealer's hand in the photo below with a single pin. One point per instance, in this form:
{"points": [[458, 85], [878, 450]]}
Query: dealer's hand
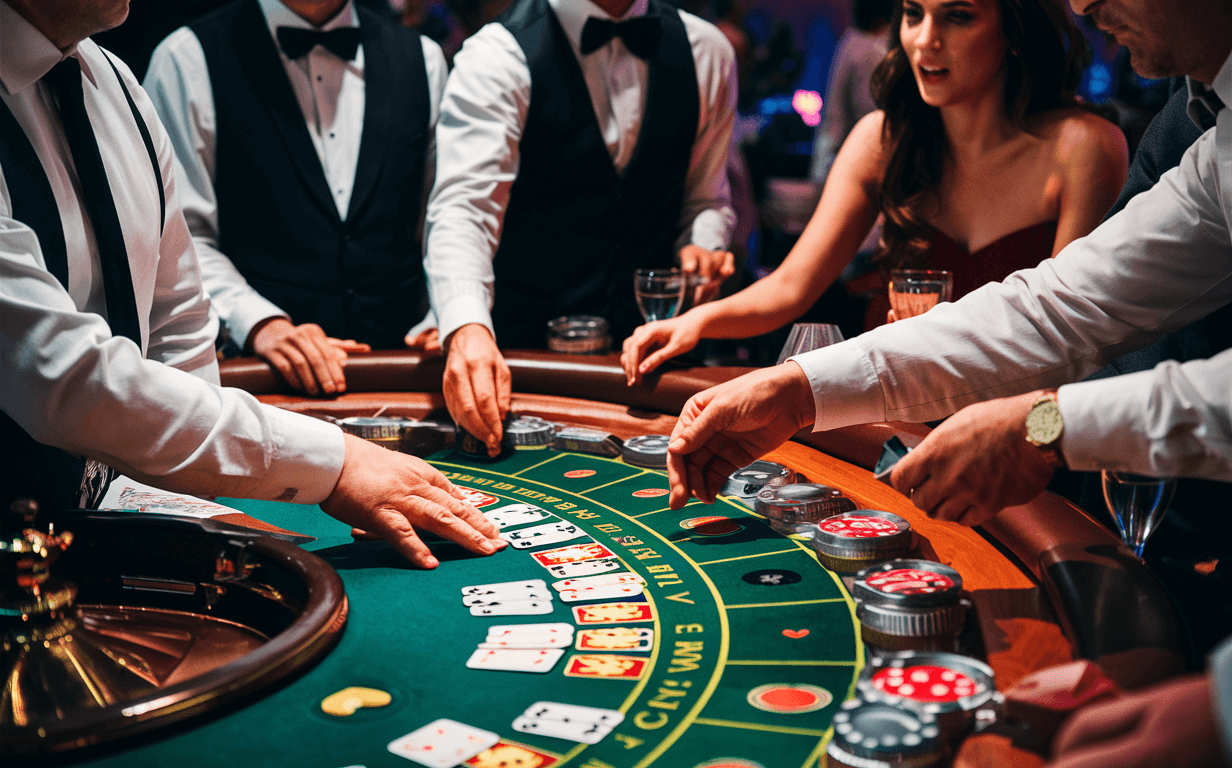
{"points": [[732, 425], [477, 384], [427, 341], [390, 494], [975, 464], [309, 360], [713, 266], [1171, 724], [655, 343]]}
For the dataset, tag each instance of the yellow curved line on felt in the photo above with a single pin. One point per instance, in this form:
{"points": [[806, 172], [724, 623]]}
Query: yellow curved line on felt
{"points": [[855, 623], [614, 482], [747, 557], [759, 727], [814, 757], [790, 602]]}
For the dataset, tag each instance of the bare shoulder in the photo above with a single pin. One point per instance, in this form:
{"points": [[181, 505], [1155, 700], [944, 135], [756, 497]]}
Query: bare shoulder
{"points": [[1076, 137], [862, 158]]}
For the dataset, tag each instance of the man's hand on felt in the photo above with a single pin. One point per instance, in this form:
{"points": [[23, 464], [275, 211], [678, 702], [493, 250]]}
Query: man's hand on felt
{"points": [[477, 384], [732, 425], [712, 266], [390, 495], [309, 360], [975, 464], [1172, 724]]}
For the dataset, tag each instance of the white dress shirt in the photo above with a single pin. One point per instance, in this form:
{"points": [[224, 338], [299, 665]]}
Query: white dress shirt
{"points": [[484, 110], [1160, 264], [154, 412], [330, 92]]}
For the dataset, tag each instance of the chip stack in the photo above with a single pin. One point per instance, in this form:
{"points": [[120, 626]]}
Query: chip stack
{"points": [[383, 430], [851, 541], [879, 735], [592, 441], [910, 605], [794, 508], [648, 451], [947, 686], [530, 431]]}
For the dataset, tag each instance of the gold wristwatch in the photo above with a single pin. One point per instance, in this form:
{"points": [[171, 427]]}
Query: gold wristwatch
{"points": [[1044, 428]]}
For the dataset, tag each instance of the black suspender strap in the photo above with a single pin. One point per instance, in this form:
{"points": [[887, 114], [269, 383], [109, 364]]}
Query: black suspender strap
{"points": [[149, 143], [33, 202]]}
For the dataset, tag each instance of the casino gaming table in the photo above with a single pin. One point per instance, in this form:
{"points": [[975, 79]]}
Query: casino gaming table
{"points": [[755, 643]]}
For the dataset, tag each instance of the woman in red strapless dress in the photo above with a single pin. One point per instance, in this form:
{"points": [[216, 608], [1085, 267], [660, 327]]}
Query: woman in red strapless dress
{"points": [[979, 158]]}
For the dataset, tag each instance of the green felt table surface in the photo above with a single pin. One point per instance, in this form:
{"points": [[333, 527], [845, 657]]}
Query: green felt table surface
{"points": [[718, 636]]}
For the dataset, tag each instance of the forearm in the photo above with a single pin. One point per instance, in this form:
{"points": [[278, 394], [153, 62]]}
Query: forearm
{"points": [[1175, 420]]}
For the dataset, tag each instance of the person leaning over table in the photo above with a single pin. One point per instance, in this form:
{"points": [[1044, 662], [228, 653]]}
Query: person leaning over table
{"points": [[577, 141], [1163, 262], [979, 161], [106, 340], [305, 132]]}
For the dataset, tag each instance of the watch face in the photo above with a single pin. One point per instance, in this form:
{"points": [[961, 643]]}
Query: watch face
{"points": [[1044, 422]]}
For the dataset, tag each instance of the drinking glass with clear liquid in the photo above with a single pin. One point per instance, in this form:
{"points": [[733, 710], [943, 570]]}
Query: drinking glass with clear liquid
{"points": [[915, 291], [1138, 504], [659, 292]]}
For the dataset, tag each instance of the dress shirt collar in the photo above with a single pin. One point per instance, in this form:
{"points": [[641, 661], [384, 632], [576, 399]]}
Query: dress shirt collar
{"points": [[28, 54], [278, 15], [1200, 109], [572, 15]]}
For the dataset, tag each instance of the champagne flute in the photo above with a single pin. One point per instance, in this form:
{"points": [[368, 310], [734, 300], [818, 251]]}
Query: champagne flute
{"points": [[1137, 503], [915, 291], [659, 292]]}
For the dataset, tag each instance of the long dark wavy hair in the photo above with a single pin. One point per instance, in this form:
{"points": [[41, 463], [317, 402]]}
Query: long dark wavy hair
{"points": [[1045, 56]]}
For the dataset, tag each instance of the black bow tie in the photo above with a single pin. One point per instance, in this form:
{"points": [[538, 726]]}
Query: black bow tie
{"points": [[296, 41], [640, 35]]}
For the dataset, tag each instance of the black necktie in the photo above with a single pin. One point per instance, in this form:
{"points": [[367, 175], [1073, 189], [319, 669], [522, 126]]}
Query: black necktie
{"points": [[65, 82], [640, 35], [296, 41]]}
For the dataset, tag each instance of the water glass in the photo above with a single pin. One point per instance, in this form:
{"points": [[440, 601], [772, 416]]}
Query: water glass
{"points": [[659, 292], [915, 291]]}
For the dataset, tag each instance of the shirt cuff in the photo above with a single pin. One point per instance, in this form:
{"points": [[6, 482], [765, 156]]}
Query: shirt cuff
{"points": [[464, 310], [1101, 419], [254, 311], [1221, 694], [712, 228], [307, 459], [845, 387]]}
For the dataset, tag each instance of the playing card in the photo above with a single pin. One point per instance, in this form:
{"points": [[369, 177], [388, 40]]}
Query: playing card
{"points": [[587, 733], [583, 568], [573, 553], [574, 713], [530, 641], [443, 744], [612, 613], [541, 535], [600, 580], [607, 666], [513, 608], [497, 597], [615, 639], [609, 592], [507, 587], [509, 630], [516, 514], [515, 659]]}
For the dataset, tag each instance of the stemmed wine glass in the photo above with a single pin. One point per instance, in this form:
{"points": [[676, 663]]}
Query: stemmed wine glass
{"points": [[659, 292], [1137, 503]]}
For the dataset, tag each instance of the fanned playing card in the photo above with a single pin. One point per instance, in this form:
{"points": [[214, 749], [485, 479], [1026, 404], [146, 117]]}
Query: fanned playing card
{"points": [[515, 659], [443, 743]]}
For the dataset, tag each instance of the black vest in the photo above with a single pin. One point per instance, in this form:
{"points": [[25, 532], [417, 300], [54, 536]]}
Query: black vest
{"points": [[574, 229], [359, 278]]}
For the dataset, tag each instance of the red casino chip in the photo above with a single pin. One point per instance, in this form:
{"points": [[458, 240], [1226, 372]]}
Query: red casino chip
{"points": [[477, 497], [789, 698], [853, 526], [910, 581], [729, 762], [712, 525], [650, 493], [926, 683], [574, 474]]}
